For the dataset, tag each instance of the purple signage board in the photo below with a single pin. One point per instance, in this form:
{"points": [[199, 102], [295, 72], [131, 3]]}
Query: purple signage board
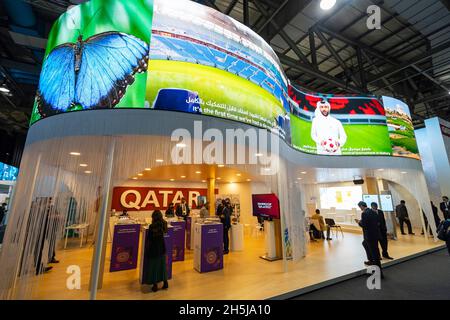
{"points": [[188, 233], [211, 247], [179, 238], [168, 240], [125, 246]]}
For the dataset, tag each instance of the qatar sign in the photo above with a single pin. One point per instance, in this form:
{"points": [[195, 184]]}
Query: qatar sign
{"points": [[148, 198]]}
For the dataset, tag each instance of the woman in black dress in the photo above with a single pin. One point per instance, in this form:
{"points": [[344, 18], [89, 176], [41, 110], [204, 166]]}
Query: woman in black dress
{"points": [[156, 252]]}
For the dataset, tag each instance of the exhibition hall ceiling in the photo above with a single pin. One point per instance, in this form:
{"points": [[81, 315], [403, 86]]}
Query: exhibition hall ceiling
{"points": [[322, 51]]}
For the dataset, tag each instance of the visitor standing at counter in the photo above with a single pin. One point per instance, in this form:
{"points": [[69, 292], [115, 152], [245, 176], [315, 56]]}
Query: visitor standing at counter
{"points": [[156, 254], [204, 211], [371, 232], [170, 212], [225, 218], [383, 231], [183, 209], [402, 214]]}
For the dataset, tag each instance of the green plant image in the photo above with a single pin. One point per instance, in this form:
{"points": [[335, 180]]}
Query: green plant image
{"points": [[98, 16], [362, 139]]}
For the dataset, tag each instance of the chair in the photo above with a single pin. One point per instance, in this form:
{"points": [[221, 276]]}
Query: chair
{"points": [[334, 226]]}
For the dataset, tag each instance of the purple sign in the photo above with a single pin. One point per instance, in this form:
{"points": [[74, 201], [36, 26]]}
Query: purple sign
{"points": [[168, 240], [188, 233], [179, 238], [124, 254], [211, 247]]}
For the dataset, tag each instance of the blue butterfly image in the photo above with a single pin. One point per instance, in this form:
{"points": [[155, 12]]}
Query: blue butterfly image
{"points": [[92, 73]]}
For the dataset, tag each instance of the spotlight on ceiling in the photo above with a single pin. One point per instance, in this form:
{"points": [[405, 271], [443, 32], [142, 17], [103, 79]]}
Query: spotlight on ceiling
{"points": [[327, 4]]}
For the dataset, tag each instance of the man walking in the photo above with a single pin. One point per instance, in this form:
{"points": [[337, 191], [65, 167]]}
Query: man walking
{"points": [[371, 232], [402, 214], [383, 230]]}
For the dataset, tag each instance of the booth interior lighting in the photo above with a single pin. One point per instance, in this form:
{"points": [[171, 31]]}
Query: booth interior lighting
{"points": [[140, 174], [148, 169], [87, 171], [83, 165], [75, 154], [159, 160]]}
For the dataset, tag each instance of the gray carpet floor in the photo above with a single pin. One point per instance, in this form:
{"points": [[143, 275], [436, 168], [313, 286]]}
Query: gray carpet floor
{"points": [[422, 278]]}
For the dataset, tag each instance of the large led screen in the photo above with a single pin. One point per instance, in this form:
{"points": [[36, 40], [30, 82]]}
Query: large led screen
{"points": [[401, 129], [338, 125], [179, 55]]}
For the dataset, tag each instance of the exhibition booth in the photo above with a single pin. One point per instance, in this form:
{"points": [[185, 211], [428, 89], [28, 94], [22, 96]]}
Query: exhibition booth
{"points": [[176, 100]]}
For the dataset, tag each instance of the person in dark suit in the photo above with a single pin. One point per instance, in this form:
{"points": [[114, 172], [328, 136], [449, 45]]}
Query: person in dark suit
{"points": [[445, 207], [383, 231], [170, 212], [436, 217], [371, 231], [225, 218], [183, 209], [402, 214]]}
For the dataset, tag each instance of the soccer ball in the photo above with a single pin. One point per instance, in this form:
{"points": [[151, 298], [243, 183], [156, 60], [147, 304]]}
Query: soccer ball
{"points": [[330, 145]]}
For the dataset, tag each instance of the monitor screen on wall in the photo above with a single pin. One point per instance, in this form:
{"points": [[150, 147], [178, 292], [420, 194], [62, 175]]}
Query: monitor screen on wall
{"points": [[386, 202], [369, 198], [341, 198]]}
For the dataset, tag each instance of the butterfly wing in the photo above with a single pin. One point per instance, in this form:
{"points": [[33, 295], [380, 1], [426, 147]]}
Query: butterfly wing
{"points": [[109, 62], [56, 90]]}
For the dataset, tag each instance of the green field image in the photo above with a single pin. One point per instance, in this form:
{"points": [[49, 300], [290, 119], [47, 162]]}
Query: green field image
{"points": [[223, 94], [403, 140], [362, 139]]}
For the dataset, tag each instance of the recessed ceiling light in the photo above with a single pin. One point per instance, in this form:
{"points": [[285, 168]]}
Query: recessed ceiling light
{"points": [[88, 171], [327, 4], [221, 165], [159, 160], [203, 180], [83, 165], [181, 145], [75, 154], [303, 172], [5, 90], [134, 178], [172, 179], [198, 172], [218, 178], [182, 177], [140, 174], [299, 178], [148, 169], [404, 172], [238, 174], [249, 179], [267, 169], [258, 154]]}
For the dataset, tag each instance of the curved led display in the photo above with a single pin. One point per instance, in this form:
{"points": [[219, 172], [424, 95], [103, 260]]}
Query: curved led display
{"points": [[179, 55]]}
